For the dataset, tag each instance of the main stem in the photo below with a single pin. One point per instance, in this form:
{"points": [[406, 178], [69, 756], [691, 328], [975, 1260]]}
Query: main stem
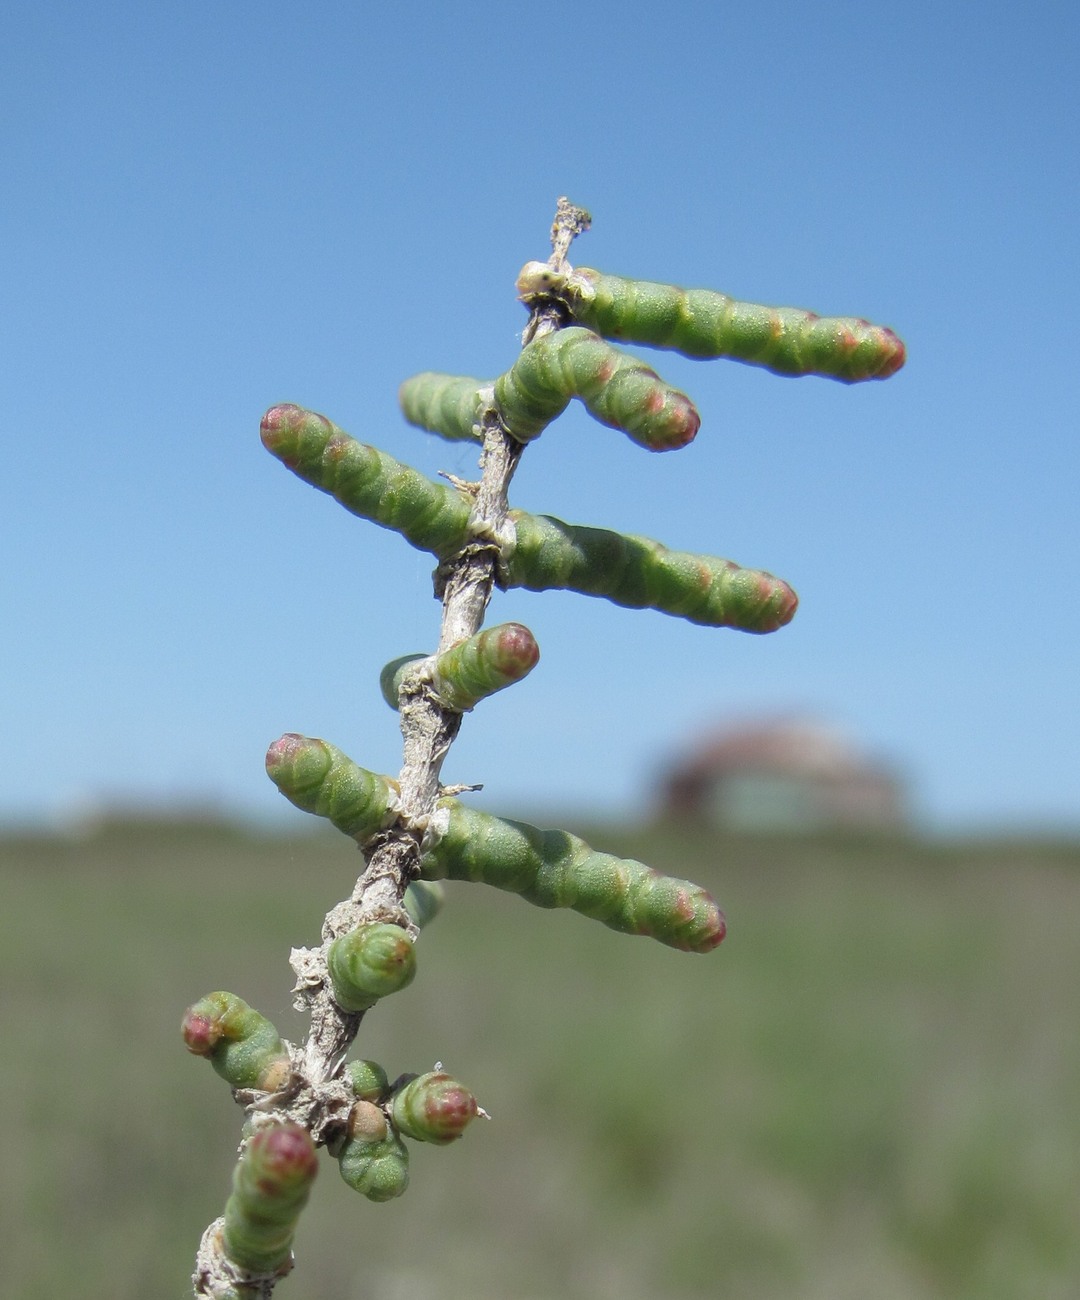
{"points": [[428, 729], [316, 1097]]}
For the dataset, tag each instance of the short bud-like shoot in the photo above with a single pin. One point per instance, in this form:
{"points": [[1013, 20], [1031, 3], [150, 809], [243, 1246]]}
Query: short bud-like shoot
{"points": [[433, 1108], [449, 405], [318, 778], [470, 671], [616, 389], [367, 1079], [370, 963], [424, 900], [367, 1122], [240, 1043], [377, 1169], [271, 1184]]}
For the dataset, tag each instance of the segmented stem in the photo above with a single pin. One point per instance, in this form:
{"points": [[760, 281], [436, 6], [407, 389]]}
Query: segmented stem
{"points": [[271, 1185], [704, 324], [557, 869], [642, 574], [367, 482], [320, 779]]}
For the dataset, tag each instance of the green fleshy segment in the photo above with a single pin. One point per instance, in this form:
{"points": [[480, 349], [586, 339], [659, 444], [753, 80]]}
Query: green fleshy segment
{"points": [[379, 1170], [643, 574], [320, 779], [424, 901], [449, 405], [616, 389], [483, 664], [367, 1079], [240, 1043], [433, 1108], [702, 323], [391, 677], [631, 571], [271, 1184], [430, 516], [471, 670], [556, 869], [370, 963]]}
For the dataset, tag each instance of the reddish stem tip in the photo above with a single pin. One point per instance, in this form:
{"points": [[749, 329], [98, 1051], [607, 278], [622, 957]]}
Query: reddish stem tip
{"points": [[201, 1034]]}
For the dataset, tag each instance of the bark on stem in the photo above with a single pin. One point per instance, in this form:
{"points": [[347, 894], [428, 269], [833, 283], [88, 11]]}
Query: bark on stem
{"points": [[428, 730], [316, 1097]]}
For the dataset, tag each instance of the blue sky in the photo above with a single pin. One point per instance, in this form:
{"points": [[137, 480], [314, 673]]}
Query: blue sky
{"points": [[210, 209]]}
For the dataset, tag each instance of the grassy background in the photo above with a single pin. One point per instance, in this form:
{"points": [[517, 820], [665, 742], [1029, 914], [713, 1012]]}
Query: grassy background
{"points": [[871, 1089]]}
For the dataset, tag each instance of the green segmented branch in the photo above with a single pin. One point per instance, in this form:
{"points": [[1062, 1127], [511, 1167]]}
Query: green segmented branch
{"points": [[240, 1043], [549, 554], [643, 574], [320, 779], [616, 389], [271, 1184], [471, 670], [370, 963], [449, 405], [556, 869], [433, 1108], [367, 482], [701, 323], [378, 1169]]}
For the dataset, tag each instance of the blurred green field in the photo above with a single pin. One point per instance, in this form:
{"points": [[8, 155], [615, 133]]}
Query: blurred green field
{"points": [[872, 1089]]}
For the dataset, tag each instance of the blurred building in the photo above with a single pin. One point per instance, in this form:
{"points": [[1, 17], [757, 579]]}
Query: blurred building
{"points": [[784, 775]]}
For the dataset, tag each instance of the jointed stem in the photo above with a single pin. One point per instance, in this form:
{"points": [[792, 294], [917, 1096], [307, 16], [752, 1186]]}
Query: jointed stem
{"points": [[317, 1098]]}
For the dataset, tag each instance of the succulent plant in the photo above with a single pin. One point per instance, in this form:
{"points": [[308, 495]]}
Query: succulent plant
{"points": [[413, 832]]}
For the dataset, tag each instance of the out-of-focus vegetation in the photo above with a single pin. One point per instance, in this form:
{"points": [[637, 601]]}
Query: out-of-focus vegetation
{"points": [[872, 1088]]}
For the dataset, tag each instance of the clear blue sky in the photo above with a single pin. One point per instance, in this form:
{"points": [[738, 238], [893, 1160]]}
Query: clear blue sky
{"points": [[207, 209]]}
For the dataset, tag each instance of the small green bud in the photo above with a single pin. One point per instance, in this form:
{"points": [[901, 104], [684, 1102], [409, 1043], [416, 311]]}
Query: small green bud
{"points": [[242, 1045], [367, 1079], [271, 1184], [449, 405], [391, 676], [378, 1170], [370, 963], [433, 1108], [470, 671], [483, 664], [424, 900]]}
